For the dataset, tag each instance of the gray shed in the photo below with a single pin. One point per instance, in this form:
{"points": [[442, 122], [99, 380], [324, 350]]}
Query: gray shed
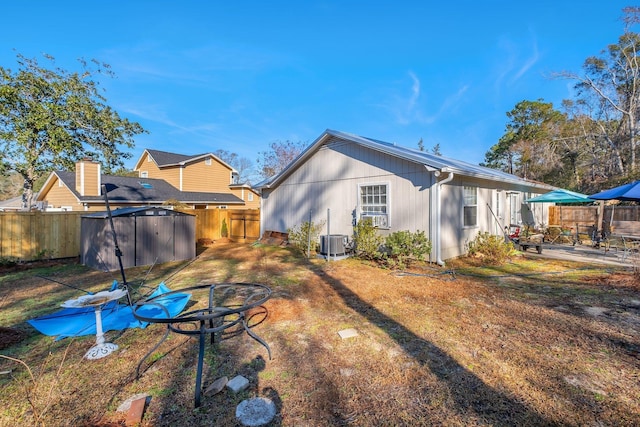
{"points": [[146, 235]]}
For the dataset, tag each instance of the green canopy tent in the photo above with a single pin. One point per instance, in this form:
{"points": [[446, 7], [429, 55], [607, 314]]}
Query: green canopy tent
{"points": [[561, 196]]}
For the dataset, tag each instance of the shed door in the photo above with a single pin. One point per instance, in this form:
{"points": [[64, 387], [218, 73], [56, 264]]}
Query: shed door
{"points": [[154, 239]]}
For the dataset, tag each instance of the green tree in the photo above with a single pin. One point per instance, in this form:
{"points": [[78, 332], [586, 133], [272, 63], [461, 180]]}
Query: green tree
{"points": [[528, 147], [50, 118], [279, 155]]}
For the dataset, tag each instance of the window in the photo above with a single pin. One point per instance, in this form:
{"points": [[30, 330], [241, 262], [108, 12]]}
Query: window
{"points": [[144, 174], [207, 161], [470, 209], [250, 197], [374, 204]]}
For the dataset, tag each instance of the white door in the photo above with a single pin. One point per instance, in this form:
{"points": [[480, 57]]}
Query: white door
{"points": [[514, 204]]}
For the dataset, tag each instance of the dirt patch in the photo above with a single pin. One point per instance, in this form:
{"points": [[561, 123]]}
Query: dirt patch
{"points": [[10, 267], [9, 337]]}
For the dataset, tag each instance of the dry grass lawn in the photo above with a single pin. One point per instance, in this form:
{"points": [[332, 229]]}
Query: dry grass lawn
{"points": [[532, 342]]}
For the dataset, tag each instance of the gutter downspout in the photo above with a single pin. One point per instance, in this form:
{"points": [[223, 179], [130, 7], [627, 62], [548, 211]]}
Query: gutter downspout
{"points": [[432, 212], [438, 215]]}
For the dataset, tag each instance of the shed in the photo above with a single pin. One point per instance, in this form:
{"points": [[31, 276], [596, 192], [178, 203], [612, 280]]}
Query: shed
{"points": [[146, 235]]}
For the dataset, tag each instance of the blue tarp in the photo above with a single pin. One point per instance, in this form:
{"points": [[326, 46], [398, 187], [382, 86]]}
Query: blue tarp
{"points": [[73, 322]]}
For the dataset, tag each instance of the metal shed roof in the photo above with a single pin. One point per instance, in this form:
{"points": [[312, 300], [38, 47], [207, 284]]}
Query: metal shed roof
{"points": [[135, 211]]}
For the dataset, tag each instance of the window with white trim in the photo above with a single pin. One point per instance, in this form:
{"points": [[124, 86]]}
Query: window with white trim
{"points": [[250, 197], [207, 161], [144, 174], [470, 208], [374, 204]]}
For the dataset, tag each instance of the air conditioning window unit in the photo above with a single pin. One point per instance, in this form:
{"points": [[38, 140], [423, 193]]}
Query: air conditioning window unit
{"points": [[377, 220]]}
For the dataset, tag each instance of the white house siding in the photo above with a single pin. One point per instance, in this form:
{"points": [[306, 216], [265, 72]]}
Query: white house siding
{"points": [[329, 179]]}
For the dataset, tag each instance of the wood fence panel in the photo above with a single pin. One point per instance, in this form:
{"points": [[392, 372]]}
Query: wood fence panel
{"points": [[244, 225], [32, 235], [625, 213], [569, 216], [624, 219], [208, 222]]}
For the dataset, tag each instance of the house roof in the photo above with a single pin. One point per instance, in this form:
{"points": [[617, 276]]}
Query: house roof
{"points": [[13, 203], [143, 190], [430, 161], [166, 159]]}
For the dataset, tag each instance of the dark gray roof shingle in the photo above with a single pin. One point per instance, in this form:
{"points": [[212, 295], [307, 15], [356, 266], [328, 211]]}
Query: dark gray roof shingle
{"points": [[131, 190], [164, 158]]}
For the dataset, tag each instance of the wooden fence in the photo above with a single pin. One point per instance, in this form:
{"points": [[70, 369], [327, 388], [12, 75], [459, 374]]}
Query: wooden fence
{"points": [[28, 236], [615, 219]]}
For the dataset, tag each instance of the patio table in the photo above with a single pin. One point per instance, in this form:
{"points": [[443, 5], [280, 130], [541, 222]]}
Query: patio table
{"points": [[630, 245], [222, 312]]}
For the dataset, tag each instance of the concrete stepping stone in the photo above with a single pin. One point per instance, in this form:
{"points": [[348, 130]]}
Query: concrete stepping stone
{"points": [[348, 333], [238, 383], [257, 411]]}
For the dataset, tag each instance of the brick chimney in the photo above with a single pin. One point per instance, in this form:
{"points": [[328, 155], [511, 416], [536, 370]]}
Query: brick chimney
{"points": [[88, 177]]}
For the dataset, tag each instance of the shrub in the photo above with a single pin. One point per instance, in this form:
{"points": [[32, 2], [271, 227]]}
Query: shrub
{"points": [[491, 249], [224, 231], [8, 261], [404, 247], [366, 240], [300, 235]]}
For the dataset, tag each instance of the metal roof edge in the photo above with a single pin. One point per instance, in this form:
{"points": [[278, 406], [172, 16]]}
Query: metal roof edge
{"points": [[405, 153]]}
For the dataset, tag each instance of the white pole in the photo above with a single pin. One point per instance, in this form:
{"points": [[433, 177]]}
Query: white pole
{"points": [[309, 236], [328, 234]]}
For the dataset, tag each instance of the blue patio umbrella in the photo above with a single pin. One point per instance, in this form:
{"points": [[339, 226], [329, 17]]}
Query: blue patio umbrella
{"points": [[560, 196], [626, 192]]}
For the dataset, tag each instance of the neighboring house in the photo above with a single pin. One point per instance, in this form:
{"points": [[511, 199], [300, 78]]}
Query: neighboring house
{"points": [[201, 173], [82, 191], [12, 204], [341, 178]]}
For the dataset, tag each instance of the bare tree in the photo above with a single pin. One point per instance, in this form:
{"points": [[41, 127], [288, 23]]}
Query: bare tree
{"points": [[610, 83], [242, 165], [279, 155]]}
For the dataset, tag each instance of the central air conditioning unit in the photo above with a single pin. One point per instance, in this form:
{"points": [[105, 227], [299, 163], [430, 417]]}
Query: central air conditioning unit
{"points": [[333, 244], [377, 220]]}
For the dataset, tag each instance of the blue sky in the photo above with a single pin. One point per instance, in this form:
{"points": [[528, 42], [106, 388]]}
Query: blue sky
{"points": [[208, 75]]}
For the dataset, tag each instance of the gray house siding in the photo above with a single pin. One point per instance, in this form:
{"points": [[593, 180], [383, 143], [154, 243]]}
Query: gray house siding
{"points": [[425, 192], [492, 215], [330, 180]]}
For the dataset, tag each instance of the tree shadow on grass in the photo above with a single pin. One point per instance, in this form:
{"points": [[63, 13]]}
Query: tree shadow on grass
{"points": [[471, 395]]}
